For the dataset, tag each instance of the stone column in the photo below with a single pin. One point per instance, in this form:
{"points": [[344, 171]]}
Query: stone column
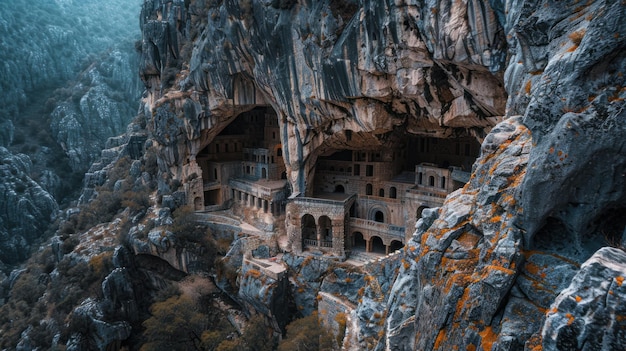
{"points": [[320, 235]]}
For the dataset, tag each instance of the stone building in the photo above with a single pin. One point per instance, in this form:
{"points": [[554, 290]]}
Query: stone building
{"points": [[361, 200], [242, 168], [370, 200]]}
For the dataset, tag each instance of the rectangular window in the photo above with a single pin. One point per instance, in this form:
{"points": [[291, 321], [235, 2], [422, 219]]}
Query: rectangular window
{"points": [[357, 169], [369, 170]]}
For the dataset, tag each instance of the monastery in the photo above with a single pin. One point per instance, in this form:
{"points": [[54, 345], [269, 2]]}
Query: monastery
{"points": [[362, 200]]}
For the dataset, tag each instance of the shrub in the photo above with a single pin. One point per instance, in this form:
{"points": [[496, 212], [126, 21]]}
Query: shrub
{"points": [[175, 325], [306, 334]]}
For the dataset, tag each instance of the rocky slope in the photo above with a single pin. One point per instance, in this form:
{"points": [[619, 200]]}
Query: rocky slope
{"points": [[69, 82], [546, 193]]}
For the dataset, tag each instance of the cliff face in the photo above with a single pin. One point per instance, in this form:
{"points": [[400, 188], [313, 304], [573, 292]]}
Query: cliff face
{"points": [[539, 84], [343, 76]]}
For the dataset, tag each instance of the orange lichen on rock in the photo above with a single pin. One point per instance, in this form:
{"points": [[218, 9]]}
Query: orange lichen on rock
{"points": [[488, 338], [528, 86], [532, 268], [534, 343], [578, 298], [619, 280], [495, 219], [441, 337], [570, 318]]}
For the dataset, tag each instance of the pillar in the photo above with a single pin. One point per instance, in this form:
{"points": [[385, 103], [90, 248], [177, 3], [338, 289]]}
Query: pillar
{"points": [[320, 235]]}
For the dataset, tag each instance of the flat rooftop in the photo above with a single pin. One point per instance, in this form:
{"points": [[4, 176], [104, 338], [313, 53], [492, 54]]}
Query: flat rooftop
{"points": [[405, 177], [333, 196], [272, 184]]}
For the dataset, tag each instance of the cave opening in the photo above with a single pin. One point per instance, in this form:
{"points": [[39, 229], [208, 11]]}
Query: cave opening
{"points": [[242, 166], [394, 181]]}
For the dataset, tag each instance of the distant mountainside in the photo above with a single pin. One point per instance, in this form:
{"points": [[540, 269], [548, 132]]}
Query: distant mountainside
{"points": [[69, 82]]}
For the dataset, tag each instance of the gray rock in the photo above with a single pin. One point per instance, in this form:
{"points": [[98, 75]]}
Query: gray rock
{"points": [[117, 290], [262, 251], [95, 334], [26, 209], [590, 314]]}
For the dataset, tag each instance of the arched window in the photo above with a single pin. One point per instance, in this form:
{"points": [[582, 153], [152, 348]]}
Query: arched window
{"points": [[392, 192], [377, 245], [358, 242], [395, 245], [431, 181], [419, 178], [309, 230], [381, 192], [339, 188], [326, 229], [443, 182], [418, 213], [279, 152], [263, 173], [379, 217], [368, 189]]}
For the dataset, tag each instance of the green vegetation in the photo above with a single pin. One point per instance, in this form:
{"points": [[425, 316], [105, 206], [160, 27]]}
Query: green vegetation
{"points": [[175, 324], [256, 337], [306, 334]]}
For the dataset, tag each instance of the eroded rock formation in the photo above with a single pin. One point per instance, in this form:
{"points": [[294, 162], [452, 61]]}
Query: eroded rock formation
{"points": [[339, 76], [26, 208]]}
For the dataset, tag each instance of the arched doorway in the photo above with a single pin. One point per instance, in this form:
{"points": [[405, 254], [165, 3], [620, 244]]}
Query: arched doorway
{"points": [[431, 181], [377, 245], [309, 231], [395, 245], [339, 189], [392, 192], [379, 216], [368, 189], [381, 192], [197, 204], [326, 231], [358, 242]]}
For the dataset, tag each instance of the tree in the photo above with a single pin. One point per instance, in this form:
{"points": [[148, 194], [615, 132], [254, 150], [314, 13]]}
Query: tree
{"points": [[175, 324], [306, 334], [256, 337]]}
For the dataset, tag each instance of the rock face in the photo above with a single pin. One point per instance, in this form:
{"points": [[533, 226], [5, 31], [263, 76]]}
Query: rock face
{"points": [[101, 105], [26, 208], [339, 76], [540, 84], [589, 314]]}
